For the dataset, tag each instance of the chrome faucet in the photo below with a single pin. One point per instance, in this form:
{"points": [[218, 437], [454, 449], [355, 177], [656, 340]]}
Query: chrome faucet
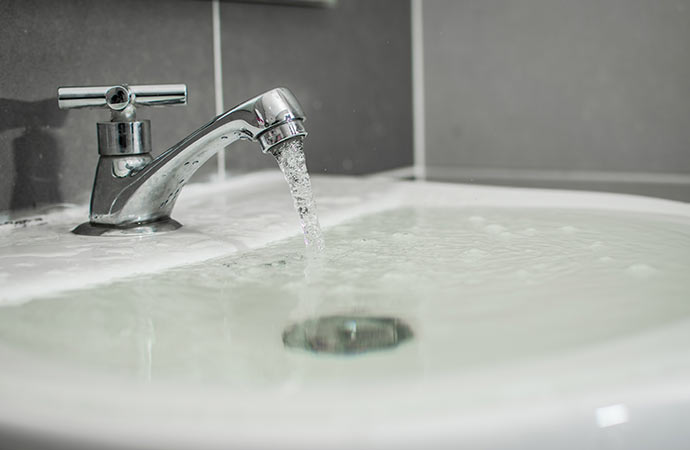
{"points": [[133, 193]]}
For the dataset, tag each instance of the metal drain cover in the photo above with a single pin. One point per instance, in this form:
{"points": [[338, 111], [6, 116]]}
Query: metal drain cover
{"points": [[347, 334]]}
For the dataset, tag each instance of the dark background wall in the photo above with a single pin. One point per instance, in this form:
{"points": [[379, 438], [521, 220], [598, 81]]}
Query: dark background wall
{"points": [[350, 68], [49, 156], [588, 94], [358, 109], [555, 92]]}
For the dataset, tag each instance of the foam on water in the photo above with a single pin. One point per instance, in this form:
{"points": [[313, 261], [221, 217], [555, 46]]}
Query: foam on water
{"points": [[290, 157], [472, 297]]}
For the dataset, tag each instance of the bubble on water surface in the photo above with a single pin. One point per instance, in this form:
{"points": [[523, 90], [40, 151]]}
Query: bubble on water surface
{"points": [[529, 232], [596, 245], [641, 270], [522, 274], [494, 228]]}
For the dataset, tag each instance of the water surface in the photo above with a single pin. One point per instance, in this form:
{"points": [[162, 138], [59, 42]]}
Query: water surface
{"points": [[479, 287]]}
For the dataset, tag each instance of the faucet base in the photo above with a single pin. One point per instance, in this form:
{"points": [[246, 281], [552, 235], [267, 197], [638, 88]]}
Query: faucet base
{"points": [[139, 229]]}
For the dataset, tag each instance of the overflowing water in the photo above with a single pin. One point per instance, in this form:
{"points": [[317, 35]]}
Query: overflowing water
{"points": [[477, 287], [290, 157]]}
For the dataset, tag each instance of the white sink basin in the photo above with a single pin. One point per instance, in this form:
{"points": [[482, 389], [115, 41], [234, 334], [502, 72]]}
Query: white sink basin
{"points": [[527, 319]]}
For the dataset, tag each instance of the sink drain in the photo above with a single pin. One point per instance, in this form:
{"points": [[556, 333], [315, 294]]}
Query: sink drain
{"points": [[347, 334]]}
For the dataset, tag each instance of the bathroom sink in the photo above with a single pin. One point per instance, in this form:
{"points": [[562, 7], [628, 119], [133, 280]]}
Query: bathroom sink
{"points": [[440, 316]]}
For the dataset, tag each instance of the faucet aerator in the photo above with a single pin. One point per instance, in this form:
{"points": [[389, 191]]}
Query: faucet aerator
{"points": [[280, 133]]}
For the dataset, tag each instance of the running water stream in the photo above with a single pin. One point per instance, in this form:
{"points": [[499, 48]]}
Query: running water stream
{"points": [[290, 157]]}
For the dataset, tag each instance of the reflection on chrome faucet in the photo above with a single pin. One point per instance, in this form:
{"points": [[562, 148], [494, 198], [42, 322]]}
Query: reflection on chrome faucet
{"points": [[134, 193]]}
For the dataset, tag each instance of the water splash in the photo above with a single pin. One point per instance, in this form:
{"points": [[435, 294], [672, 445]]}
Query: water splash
{"points": [[290, 157]]}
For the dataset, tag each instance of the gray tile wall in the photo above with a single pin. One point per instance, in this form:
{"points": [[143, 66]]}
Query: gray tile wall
{"points": [[350, 68], [348, 65], [49, 156], [560, 85]]}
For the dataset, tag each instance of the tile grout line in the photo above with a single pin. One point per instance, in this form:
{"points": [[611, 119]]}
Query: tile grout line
{"points": [[218, 80], [418, 119]]}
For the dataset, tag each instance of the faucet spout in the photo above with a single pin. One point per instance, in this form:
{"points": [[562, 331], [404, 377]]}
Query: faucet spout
{"points": [[131, 190]]}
